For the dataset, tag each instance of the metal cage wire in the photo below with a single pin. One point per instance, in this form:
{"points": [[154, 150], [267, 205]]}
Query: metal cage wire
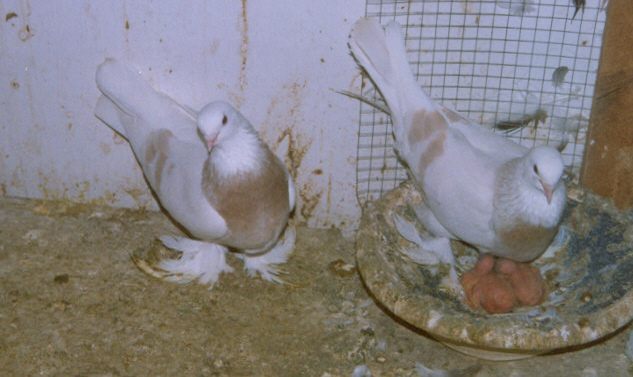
{"points": [[522, 68]]}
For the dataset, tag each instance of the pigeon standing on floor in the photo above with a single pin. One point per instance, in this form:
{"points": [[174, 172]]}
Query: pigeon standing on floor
{"points": [[479, 187], [210, 171]]}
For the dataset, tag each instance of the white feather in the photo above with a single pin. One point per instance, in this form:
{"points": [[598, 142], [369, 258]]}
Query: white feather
{"points": [[238, 154]]}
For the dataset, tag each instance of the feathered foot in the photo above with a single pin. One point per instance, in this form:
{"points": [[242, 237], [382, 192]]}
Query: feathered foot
{"points": [[429, 251], [266, 264], [201, 261]]}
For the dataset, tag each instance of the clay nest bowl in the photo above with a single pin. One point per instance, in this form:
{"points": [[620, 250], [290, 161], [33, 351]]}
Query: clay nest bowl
{"points": [[588, 273]]}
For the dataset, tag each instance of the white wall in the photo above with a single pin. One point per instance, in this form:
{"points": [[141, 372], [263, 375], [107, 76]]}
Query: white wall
{"points": [[277, 60]]}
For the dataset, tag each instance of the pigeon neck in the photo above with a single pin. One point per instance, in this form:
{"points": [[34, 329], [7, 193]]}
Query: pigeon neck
{"points": [[238, 154]]}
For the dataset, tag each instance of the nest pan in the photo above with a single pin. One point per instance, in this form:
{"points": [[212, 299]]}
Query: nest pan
{"points": [[589, 275]]}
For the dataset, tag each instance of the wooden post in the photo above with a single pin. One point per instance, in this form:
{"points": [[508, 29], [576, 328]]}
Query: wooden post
{"points": [[608, 163]]}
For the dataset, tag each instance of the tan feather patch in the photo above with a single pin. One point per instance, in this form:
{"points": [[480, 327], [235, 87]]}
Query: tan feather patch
{"points": [[424, 124], [431, 153], [526, 242]]}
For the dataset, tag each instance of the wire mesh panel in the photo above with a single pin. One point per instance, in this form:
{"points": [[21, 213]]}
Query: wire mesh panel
{"points": [[522, 68]]}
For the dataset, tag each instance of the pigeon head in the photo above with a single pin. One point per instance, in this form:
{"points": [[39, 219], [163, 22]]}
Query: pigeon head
{"points": [[217, 122], [545, 169]]}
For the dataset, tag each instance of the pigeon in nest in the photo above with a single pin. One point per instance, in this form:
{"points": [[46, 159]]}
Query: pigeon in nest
{"points": [[479, 187], [210, 171]]}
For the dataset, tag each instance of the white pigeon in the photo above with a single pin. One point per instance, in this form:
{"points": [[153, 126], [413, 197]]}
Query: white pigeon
{"points": [[479, 187], [210, 171]]}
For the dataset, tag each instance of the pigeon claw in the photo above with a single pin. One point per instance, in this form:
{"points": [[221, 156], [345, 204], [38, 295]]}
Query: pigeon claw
{"points": [[159, 273]]}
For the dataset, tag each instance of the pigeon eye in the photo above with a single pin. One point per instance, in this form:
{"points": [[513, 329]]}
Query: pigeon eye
{"points": [[535, 169], [224, 120]]}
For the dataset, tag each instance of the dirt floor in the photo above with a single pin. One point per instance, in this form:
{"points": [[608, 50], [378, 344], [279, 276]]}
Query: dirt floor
{"points": [[73, 304]]}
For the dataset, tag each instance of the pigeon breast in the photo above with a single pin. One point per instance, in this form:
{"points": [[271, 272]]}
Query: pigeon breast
{"points": [[254, 205]]}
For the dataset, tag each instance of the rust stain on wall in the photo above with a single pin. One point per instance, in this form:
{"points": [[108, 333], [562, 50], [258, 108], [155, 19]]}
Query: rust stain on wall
{"points": [[285, 113], [9, 16], [309, 201], [295, 153], [328, 196], [26, 32], [77, 193], [289, 119], [43, 187], [293, 159], [82, 188], [243, 55], [138, 196], [16, 180], [67, 207]]}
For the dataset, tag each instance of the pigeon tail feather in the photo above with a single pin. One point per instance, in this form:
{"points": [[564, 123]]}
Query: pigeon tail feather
{"points": [[136, 99], [382, 53]]}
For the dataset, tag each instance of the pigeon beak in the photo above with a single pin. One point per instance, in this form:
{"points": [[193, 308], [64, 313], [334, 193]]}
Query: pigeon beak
{"points": [[211, 142], [547, 189]]}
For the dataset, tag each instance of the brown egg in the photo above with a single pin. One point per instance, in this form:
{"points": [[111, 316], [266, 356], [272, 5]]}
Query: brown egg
{"points": [[470, 278], [495, 294], [485, 264], [505, 266], [526, 281], [486, 289]]}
